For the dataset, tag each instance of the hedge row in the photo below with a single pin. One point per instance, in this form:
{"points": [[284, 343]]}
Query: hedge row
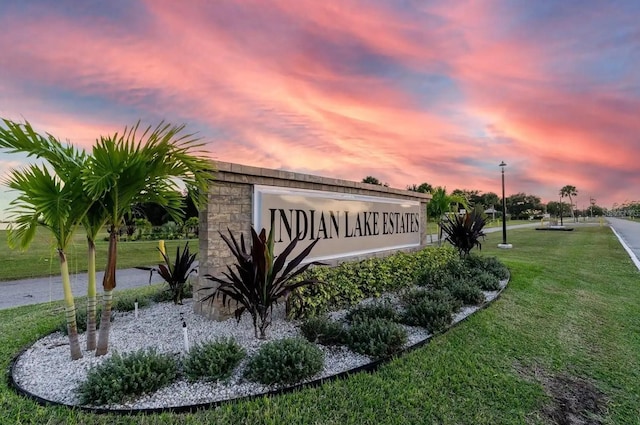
{"points": [[349, 283]]}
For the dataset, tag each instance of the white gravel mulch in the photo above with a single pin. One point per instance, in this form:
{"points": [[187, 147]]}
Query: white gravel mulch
{"points": [[46, 370]]}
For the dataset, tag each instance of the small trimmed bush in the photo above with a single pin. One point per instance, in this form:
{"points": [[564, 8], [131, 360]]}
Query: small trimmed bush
{"points": [[433, 315], [486, 281], [375, 310], [285, 361], [377, 338], [213, 361], [324, 331], [468, 293], [488, 264], [495, 267], [122, 377], [416, 296], [439, 279]]}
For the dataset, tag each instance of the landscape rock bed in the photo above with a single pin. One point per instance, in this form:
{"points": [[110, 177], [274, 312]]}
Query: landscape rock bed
{"points": [[45, 372]]}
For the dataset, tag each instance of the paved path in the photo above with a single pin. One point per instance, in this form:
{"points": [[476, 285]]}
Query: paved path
{"points": [[629, 234], [45, 289]]}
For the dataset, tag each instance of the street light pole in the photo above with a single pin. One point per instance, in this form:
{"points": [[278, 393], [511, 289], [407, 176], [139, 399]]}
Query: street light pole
{"points": [[504, 243], [561, 208]]}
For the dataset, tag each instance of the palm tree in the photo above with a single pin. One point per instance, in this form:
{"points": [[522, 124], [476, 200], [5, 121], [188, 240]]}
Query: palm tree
{"points": [[442, 203], [569, 191], [55, 201], [22, 138], [125, 169], [93, 222]]}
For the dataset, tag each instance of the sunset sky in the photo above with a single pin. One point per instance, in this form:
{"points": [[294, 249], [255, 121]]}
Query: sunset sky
{"points": [[406, 91]]}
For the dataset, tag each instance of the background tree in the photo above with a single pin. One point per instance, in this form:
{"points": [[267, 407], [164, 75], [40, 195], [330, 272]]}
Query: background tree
{"points": [[522, 206], [422, 188], [569, 191], [472, 196], [440, 204], [553, 208], [374, 180], [127, 169], [489, 200]]}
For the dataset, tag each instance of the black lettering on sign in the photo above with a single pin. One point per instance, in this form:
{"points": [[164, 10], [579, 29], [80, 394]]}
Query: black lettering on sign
{"points": [[376, 230], [335, 219], [358, 229], [282, 221], [346, 225], [385, 218]]}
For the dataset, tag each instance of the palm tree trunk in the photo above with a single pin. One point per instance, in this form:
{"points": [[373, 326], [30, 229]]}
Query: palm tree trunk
{"points": [[108, 283], [573, 217], [69, 308], [105, 324], [91, 296]]}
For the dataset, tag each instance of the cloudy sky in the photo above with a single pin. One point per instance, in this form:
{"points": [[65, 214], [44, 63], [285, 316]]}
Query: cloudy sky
{"points": [[406, 91]]}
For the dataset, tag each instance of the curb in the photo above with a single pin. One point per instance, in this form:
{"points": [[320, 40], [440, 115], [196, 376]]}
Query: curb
{"points": [[626, 247]]}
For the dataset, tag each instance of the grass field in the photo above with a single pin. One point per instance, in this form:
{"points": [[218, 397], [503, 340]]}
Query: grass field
{"points": [[41, 259], [565, 332]]}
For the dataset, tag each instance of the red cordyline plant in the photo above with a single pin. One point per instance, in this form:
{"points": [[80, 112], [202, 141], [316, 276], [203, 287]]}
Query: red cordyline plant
{"points": [[464, 231], [259, 279], [176, 273]]}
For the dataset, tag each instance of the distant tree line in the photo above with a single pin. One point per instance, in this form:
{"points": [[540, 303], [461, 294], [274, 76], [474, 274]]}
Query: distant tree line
{"points": [[519, 206]]}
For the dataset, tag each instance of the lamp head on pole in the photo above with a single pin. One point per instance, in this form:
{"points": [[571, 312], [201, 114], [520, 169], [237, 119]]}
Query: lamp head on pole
{"points": [[502, 164]]}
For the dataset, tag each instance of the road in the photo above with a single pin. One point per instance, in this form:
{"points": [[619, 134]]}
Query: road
{"points": [[45, 289], [629, 234]]}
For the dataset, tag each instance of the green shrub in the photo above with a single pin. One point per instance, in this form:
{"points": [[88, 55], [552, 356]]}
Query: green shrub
{"points": [[495, 267], [377, 338], [213, 361], [486, 281], [468, 293], [126, 302], [416, 296], [431, 314], [436, 279], [375, 310], [323, 330], [121, 377], [487, 264], [165, 294], [285, 361], [339, 289], [349, 283], [122, 302]]}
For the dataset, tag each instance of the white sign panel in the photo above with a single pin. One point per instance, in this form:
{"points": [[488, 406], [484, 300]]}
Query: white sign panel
{"points": [[346, 224]]}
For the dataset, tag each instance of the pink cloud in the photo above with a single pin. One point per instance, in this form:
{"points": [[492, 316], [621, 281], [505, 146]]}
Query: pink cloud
{"points": [[323, 87]]}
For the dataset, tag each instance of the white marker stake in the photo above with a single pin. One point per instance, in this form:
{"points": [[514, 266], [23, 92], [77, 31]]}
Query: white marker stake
{"points": [[185, 336], [135, 304]]}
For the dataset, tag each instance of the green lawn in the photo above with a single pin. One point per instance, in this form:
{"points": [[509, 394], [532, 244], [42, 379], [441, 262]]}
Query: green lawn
{"points": [[569, 314], [41, 259]]}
